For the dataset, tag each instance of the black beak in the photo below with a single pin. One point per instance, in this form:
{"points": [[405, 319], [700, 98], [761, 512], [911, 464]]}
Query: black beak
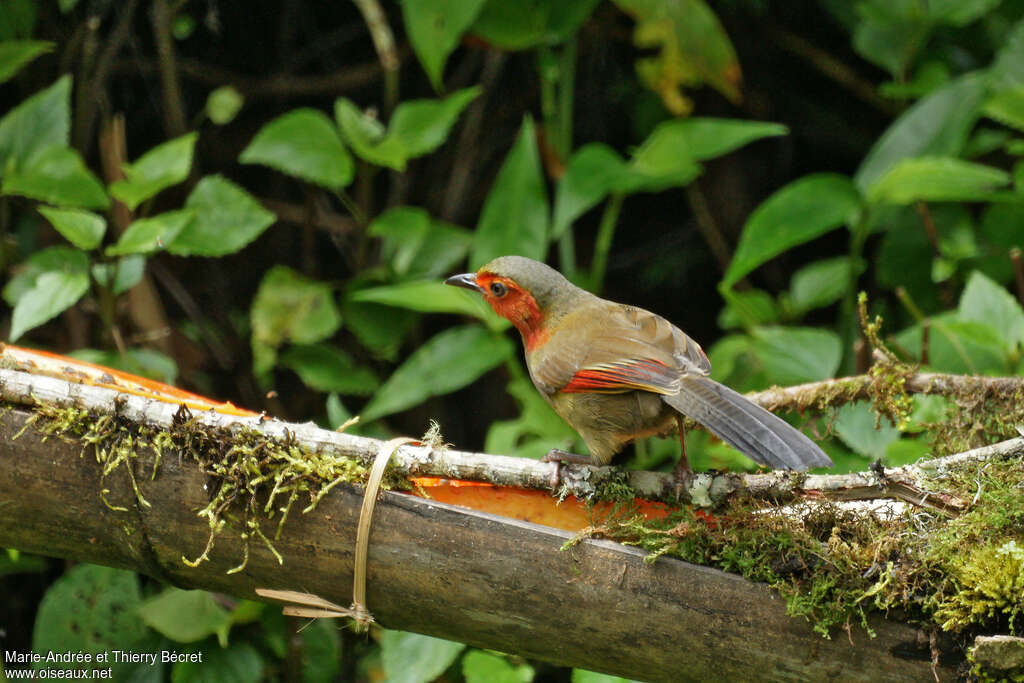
{"points": [[467, 280]]}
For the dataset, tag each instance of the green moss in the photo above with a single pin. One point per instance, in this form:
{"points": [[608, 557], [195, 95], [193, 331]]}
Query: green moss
{"points": [[254, 480]]}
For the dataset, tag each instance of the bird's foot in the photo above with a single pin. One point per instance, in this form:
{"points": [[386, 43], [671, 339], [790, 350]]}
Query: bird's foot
{"points": [[558, 456], [683, 476]]}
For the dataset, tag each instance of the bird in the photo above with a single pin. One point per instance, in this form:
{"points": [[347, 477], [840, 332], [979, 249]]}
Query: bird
{"points": [[616, 373]]}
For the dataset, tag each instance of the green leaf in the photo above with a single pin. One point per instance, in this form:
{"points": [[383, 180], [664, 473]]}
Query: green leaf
{"points": [[83, 229], [1007, 71], [327, 368], [223, 104], [706, 138], [662, 161], [693, 49], [801, 211], [240, 663], [435, 29], [412, 658], [37, 123], [431, 296], [748, 308], [483, 667], [305, 144], [794, 355], [184, 616], [367, 136], [122, 275], [291, 307], [940, 179], [146, 235], [63, 259], [143, 362], [53, 293], [594, 170], [445, 363], [984, 301], [820, 283], [15, 54], [227, 218], [855, 425], [1007, 107], [514, 218], [937, 125], [56, 175], [421, 126], [417, 246], [18, 19], [165, 165], [536, 431], [522, 24], [958, 346], [91, 609]]}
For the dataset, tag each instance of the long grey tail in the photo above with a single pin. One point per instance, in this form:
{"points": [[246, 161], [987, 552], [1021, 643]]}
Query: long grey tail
{"points": [[761, 436]]}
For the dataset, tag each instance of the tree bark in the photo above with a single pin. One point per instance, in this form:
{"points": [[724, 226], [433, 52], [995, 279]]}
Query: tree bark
{"points": [[439, 569]]}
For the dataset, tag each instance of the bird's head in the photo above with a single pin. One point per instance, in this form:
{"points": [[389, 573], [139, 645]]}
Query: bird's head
{"points": [[526, 292]]}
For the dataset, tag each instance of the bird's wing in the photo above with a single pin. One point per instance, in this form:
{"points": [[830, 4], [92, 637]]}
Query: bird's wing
{"points": [[616, 348]]}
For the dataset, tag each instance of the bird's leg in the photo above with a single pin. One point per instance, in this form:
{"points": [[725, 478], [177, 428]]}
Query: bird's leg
{"points": [[682, 472], [558, 456]]}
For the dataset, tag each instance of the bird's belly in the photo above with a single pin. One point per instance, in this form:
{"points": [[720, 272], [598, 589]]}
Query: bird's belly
{"points": [[607, 422]]}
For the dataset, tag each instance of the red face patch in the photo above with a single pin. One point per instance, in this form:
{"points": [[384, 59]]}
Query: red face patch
{"points": [[516, 305]]}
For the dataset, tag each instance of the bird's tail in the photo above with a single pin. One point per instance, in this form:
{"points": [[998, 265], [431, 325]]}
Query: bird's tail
{"points": [[760, 435]]}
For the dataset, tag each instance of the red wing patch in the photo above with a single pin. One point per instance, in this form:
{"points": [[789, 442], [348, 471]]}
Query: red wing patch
{"points": [[628, 375]]}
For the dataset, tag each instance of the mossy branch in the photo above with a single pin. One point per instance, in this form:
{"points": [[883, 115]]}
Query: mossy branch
{"points": [[586, 483]]}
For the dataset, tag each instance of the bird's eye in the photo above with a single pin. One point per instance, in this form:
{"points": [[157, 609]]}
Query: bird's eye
{"points": [[498, 289]]}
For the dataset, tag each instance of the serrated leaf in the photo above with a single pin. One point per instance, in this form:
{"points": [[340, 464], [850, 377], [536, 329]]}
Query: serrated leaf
{"points": [[799, 212], [940, 179], [984, 301], [855, 425], [421, 126], [58, 258], [514, 218], [227, 218], [820, 283], [289, 306], [90, 609], [15, 54], [165, 165], [184, 616], [37, 123], [794, 355], [958, 346], [56, 175], [522, 24], [435, 29], [367, 136], [594, 170], [52, 293], [327, 368], [937, 125], [418, 247], [121, 275], [305, 144], [139, 361], [414, 658], [146, 235], [430, 296], [83, 229], [446, 362], [223, 104], [693, 49], [484, 667]]}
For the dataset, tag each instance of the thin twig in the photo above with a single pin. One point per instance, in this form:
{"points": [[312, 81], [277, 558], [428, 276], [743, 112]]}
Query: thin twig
{"points": [[161, 18], [708, 227], [1018, 272], [384, 43]]}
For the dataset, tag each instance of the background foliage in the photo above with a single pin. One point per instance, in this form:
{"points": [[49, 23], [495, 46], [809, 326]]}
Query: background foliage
{"points": [[246, 197]]}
